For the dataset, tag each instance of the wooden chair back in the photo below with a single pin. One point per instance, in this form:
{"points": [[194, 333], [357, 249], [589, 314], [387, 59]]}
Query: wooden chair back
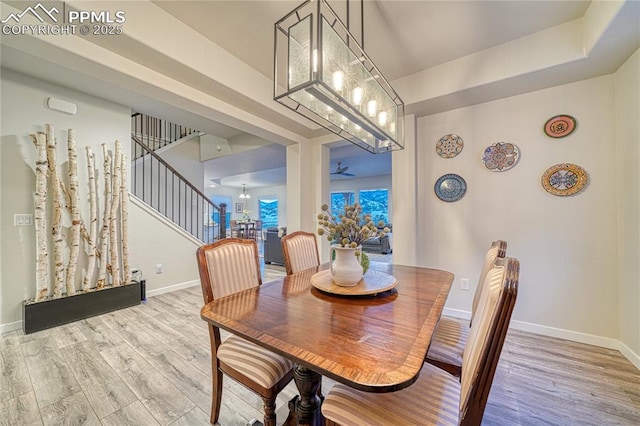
{"points": [[228, 266], [300, 251], [486, 338]]}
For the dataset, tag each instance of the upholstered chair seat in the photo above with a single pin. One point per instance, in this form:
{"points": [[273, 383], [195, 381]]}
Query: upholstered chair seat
{"points": [[265, 367], [450, 335], [447, 343]]}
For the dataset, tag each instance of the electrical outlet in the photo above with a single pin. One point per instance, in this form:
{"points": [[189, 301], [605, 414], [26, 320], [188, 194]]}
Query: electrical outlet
{"points": [[464, 284], [159, 268], [23, 219]]}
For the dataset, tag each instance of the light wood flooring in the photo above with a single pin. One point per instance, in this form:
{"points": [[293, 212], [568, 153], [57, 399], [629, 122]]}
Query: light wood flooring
{"points": [[149, 365]]}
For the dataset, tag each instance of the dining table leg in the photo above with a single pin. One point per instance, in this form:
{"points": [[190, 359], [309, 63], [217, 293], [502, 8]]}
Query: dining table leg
{"points": [[304, 409]]}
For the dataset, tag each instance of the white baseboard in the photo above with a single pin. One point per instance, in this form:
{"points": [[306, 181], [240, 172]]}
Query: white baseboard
{"points": [[574, 336], [629, 354], [457, 313], [171, 288], [559, 333], [11, 326]]}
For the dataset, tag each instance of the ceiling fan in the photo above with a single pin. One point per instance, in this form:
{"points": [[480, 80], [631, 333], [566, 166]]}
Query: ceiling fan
{"points": [[342, 170]]}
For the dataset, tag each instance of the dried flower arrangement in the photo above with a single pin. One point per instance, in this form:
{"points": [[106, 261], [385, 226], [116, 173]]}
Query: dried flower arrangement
{"points": [[349, 229]]}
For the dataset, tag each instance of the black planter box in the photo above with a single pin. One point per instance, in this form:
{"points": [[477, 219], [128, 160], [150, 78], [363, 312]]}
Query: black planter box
{"points": [[51, 313]]}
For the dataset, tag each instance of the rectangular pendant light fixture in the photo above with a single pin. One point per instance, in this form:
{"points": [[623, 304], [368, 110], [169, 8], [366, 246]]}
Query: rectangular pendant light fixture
{"points": [[322, 73]]}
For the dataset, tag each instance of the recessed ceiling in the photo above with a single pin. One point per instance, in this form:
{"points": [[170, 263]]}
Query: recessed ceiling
{"points": [[402, 37]]}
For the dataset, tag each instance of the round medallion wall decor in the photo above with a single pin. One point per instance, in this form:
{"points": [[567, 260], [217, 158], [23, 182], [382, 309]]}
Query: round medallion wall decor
{"points": [[560, 126], [564, 179], [450, 187], [449, 146], [500, 156]]}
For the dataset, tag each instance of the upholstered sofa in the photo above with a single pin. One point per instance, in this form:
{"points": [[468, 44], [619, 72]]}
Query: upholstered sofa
{"points": [[378, 245], [273, 246]]}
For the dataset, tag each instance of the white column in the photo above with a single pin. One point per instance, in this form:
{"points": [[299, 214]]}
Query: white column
{"points": [[307, 184], [293, 188], [405, 219], [322, 193]]}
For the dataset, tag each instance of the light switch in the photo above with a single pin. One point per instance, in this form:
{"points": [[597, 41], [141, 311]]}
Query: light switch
{"points": [[23, 219]]}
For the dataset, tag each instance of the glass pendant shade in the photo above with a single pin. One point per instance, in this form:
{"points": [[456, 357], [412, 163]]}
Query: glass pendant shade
{"points": [[321, 72], [244, 192]]}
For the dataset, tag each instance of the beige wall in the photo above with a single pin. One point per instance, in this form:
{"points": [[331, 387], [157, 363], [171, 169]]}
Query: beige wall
{"points": [[567, 246], [627, 98]]}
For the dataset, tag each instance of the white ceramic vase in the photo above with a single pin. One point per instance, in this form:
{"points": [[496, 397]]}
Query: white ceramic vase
{"points": [[346, 269]]}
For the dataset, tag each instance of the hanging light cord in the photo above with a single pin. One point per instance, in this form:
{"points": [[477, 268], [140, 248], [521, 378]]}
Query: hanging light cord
{"points": [[361, 22]]}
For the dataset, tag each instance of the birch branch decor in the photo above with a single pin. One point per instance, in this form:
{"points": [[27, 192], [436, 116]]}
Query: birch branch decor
{"points": [[65, 191], [93, 221], [74, 201], [104, 233], [40, 218], [113, 215], [124, 220], [56, 203]]}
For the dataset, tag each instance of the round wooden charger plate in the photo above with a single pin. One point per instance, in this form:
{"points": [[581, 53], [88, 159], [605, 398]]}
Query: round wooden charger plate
{"points": [[373, 282]]}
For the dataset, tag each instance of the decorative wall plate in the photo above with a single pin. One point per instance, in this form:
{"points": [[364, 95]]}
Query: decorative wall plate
{"points": [[560, 126], [450, 187], [449, 146], [564, 179], [500, 156]]}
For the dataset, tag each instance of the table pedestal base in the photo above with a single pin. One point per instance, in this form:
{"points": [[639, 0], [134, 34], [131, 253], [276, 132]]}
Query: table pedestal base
{"points": [[305, 408]]}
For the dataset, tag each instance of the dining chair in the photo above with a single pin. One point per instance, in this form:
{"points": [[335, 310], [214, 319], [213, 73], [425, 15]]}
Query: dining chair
{"points": [[235, 228], [228, 267], [437, 397], [300, 251], [257, 230], [450, 335]]}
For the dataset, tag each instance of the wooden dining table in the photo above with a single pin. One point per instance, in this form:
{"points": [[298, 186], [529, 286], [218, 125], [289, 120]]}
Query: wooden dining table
{"points": [[375, 343]]}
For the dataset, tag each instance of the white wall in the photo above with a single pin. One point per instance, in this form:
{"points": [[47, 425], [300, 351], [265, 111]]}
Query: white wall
{"points": [[23, 112], [627, 97], [405, 221], [567, 246], [184, 156], [155, 241]]}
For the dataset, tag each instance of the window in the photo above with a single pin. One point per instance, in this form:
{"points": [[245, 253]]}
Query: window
{"points": [[376, 203], [339, 200], [268, 211]]}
